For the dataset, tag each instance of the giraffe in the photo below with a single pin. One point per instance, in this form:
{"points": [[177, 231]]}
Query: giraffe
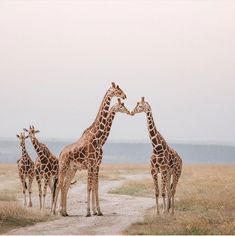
{"points": [[46, 167], [118, 107], [25, 168], [164, 160], [86, 153]]}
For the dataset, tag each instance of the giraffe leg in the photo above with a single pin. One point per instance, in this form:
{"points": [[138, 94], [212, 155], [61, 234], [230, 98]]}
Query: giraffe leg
{"points": [[68, 181], [30, 192], [99, 213], [173, 190], [24, 187], [46, 180], [155, 181], [89, 188], [51, 186], [58, 189], [163, 189], [168, 188], [93, 202], [39, 190]]}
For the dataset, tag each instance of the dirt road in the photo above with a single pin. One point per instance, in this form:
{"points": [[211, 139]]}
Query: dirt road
{"points": [[119, 211]]}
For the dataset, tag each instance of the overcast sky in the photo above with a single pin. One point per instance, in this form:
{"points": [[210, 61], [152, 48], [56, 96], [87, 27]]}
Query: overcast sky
{"points": [[58, 58]]}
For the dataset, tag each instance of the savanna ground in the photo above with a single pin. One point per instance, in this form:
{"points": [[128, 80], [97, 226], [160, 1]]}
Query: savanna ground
{"points": [[205, 203]]}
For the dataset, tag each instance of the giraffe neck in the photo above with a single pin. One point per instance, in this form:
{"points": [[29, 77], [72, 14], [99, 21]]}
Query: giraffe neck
{"points": [[37, 146], [24, 151], [154, 134], [101, 119], [104, 106], [109, 123]]}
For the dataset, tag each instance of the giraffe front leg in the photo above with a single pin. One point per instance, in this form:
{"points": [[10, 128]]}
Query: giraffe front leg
{"points": [[30, 192], [93, 202], [39, 190], [24, 187], [163, 190], [57, 190], [51, 186], [99, 213], [155, 182], [89, 188], [168, 188]]}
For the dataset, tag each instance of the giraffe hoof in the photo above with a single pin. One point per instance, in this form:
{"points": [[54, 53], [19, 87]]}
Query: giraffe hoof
{"points": [[64, 214], [100, 214], [30, 205], [88, 215], [95, 213]]}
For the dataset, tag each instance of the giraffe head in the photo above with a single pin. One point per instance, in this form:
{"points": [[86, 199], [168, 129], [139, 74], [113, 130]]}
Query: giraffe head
{"points": [[116, 91], [120, 107], [31, 132], [141, 106], [22, 138]]}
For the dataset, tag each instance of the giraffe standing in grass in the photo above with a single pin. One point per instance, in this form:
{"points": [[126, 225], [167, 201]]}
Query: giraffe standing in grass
{"points": [[46, 167], [26, 169], [164, 160], [86, 153]]}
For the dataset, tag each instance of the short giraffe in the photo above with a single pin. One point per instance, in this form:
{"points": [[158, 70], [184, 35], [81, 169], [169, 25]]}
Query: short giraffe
{"points": [[25, 168], [86, 153], [46, 167], [164, 160]]}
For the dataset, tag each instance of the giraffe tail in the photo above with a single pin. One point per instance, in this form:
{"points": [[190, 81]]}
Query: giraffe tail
{"points": [[25, 184]]}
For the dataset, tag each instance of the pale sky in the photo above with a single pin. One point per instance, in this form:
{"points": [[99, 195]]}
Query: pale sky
{"points": [[58, 58]]}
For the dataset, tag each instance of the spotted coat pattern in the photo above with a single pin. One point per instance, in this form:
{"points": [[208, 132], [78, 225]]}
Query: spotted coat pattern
{"points": [[86, 153], [26, 169], [164, 160]]}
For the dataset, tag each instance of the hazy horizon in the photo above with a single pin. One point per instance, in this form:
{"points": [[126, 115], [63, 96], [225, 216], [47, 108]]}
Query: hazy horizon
{"points": [[58, 58]]}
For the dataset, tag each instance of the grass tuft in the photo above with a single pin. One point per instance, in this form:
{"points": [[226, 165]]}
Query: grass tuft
{"points": [[204, 203]]}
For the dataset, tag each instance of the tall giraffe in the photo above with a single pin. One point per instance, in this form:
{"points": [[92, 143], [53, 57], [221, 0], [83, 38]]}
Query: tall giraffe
{"points": [[46, 167], [25, 168], [118, 107], [86, 153], [164, 160]]}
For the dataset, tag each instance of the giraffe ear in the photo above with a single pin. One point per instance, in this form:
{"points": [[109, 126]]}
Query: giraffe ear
{"points": [[25, 129], [37, 131], [17, 136], [113, 85], [119, 101]]}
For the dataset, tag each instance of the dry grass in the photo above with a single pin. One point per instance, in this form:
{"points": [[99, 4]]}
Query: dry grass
{"points": [[205, 203], [12, 214]]}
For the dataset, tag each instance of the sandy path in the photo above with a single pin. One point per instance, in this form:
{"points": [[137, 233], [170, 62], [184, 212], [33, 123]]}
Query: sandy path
{"points": [[119, 211]]}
